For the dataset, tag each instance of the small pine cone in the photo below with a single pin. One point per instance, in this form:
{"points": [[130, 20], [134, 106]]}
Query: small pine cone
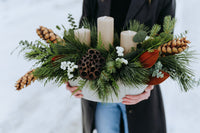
{"points": [[174, 47], [25, 80], [48, 35]]}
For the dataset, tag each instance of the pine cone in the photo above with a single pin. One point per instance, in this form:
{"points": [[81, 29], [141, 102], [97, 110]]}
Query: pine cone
{"points": [[174, 47], [48, 35], [25, 80]]}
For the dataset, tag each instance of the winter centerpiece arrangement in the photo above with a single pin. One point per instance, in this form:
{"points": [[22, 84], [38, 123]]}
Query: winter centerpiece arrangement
{"points": [[107, 67]]}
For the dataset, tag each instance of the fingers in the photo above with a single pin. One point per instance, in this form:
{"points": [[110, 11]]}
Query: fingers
{"points": [[72, 89], [131, 102], [134, 99], [149, 88], [79, 95], [77, 92], [144, 95]]}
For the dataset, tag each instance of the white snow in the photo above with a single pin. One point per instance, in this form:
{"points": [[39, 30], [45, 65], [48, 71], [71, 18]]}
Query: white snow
{"points": [[51, 109]]}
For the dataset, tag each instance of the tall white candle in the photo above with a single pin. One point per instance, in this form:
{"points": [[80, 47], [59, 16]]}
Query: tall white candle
{"points": [[83, 35], [105, 27], [126, 40]]}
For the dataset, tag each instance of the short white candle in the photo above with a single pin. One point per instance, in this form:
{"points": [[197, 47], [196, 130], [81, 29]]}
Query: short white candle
{"points": [[126, 40], [83, 35], [105, 27]]}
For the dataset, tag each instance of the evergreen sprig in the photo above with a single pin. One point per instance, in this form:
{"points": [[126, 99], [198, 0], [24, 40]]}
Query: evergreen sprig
{"points": [[71, 21], [169, 24], [155, 30], [36, 51], [133, 74], [178, 68], [137, 26]]}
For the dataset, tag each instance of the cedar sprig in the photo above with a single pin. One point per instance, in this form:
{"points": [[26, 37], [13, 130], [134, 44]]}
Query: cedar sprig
{"points": [[36, 51]]}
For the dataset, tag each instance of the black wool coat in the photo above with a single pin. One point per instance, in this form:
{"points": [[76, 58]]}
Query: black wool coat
{"points": [[147, 116]]}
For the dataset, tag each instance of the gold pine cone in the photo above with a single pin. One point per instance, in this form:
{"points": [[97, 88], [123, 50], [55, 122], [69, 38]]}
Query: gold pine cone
{"points": [[25, 80], [48, 35], [174, 47]]}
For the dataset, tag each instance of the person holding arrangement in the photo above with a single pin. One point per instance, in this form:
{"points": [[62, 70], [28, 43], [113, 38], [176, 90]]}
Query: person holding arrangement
{"points": [[143, 113]]}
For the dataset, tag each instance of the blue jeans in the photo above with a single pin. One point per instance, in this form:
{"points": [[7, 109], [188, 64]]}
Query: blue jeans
{"points": [[108, 116]]}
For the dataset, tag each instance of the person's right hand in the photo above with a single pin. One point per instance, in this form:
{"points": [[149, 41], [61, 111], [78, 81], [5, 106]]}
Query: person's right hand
{"points": [[77, 94]]}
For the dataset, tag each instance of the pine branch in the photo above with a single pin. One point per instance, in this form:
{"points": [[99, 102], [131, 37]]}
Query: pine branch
{"points": [[178, 68], [133, 74], [155, 29], [136, 26], [169, 24]]}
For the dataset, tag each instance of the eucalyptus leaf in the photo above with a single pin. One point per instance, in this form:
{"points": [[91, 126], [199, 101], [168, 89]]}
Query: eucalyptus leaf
{"points": [[140, 36]]}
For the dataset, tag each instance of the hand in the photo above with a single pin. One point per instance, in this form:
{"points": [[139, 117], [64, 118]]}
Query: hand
{"points": [[134, 99], [77, 94]]}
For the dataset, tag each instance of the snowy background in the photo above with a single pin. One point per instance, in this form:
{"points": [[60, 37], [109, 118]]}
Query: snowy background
{"points": [[49, 109]]}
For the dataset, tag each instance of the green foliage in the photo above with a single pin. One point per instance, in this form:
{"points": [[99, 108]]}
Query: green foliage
{"points": [[178, 68], [136, 26], [133, 74], [181, 35], [110, 66], [58, 27], [71, 21], [49, 57], [50, 72], [169, 24], [155, 42], [36, 51], [155, 30], [140, 36]]}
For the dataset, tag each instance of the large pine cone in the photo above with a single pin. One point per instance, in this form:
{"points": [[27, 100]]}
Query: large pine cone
{"points": [[174, 47], [47, 34], [90, 65], [25, 80]]}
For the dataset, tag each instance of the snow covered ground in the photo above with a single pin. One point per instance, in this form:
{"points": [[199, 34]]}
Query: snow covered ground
{"points": [[51, 109]]}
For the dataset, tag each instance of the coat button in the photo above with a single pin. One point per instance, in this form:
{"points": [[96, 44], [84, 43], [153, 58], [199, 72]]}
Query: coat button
{"points": [[130, 111]]}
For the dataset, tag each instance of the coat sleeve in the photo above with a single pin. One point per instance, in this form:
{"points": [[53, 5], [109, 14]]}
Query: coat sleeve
{"points": [[169, 8]]}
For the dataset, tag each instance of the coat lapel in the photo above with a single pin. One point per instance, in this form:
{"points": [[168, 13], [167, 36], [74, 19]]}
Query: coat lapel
{"points": [[104, 7], [134, 8]]}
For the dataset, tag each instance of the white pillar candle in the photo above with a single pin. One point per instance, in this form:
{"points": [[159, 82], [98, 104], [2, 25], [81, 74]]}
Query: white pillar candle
{"points": [[126, 40], [83, 35], [105, 27]]}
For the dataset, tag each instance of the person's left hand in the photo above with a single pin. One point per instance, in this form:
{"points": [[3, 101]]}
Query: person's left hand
{"points": [[134, 99]]}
